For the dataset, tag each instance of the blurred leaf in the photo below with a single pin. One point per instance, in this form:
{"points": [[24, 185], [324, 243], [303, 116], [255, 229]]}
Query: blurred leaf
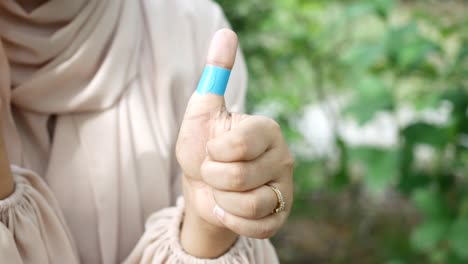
{"points": [[459, 99], [446, 182], [395, 262], [454, 259], [308, 176], [359, 9], [430, 203], [383, 7], [463, 54], [407, 48], [426, 236], [380, 166], [458, 238], [341, 178], [371, 96], [424, 133], [363, 55], [439, 255], [412, 181]]}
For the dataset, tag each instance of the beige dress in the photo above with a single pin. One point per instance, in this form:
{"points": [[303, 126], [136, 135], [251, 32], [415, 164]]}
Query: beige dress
{"points": [[92, 96]]}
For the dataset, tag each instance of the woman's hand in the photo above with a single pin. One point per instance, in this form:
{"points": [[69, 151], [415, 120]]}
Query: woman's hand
{"points": [[228, 159]]}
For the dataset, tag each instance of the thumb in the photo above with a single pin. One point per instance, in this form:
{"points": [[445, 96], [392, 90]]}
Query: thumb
{"points": [[206, 108], [220, 60]]}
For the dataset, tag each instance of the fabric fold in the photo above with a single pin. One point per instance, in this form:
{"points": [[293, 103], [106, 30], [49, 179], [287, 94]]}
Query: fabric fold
{"points": [[32, 229], [161, 244]]}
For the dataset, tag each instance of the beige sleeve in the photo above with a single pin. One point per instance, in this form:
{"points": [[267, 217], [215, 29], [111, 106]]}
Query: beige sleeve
{"points": [[160, 244], [32, 229]]}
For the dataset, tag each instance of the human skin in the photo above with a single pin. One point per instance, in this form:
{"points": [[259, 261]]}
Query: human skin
{"points": [[227, 160], [6, 179], [30, 5]]}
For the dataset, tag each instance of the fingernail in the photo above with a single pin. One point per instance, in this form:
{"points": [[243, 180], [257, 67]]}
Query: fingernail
{"points": [[219, 212]]}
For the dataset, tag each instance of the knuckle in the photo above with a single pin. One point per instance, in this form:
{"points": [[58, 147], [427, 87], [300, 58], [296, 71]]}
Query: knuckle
{"points": [[241, 146], [238, 178], [274, 126], [289, 161], [209, 147], [205, 169], [265, 232], [253, 209]]}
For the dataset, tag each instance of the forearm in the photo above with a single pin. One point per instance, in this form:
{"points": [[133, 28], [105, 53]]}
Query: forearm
{"points": [[203, 240], [6, 178]]}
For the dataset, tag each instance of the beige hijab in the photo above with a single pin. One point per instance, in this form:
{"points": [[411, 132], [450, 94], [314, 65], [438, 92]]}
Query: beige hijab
{"points": [[60, 55], [92, 95]]}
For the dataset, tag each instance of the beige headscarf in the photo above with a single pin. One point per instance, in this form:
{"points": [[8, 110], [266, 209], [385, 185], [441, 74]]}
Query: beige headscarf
{"points": [[61, 55], [92, 95]]}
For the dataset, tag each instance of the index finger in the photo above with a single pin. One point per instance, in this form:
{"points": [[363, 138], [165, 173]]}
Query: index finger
{"points": [[247, 141]]}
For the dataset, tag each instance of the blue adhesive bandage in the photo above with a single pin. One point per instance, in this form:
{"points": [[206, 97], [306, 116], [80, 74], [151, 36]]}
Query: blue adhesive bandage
{"points": [[214, 80]]}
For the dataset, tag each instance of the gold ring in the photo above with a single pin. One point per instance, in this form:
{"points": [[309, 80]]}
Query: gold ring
{"points": [[281, 205]]}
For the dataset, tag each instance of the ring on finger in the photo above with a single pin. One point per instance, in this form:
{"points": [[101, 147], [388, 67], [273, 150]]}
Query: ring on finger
{"points": [[281, 205]]}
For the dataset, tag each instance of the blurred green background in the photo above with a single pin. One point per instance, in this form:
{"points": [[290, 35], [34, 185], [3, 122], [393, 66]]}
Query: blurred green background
{"points": [[372, 97]]}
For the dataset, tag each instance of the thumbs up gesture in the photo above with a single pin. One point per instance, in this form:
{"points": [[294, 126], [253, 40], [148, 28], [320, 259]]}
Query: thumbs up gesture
{"points": [[237, 168]]}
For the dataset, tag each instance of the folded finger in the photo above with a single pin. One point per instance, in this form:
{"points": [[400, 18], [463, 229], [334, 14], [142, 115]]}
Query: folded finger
{"points": [[247, 141], [241, 176], [260, 228], [253, 204]]}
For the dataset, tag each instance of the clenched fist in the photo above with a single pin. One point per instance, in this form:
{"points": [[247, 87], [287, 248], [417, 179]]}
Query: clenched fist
{"points": [[230, 161]]}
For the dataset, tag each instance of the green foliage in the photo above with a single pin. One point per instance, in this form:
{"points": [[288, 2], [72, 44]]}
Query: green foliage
{"points": [[382, 55], [427, 235], [380, 166], [457, 237], [377, 96]]}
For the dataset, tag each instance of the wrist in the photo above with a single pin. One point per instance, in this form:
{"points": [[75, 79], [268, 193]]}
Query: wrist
{"points": [[7, 186], [6, 178], [202, 239]]}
